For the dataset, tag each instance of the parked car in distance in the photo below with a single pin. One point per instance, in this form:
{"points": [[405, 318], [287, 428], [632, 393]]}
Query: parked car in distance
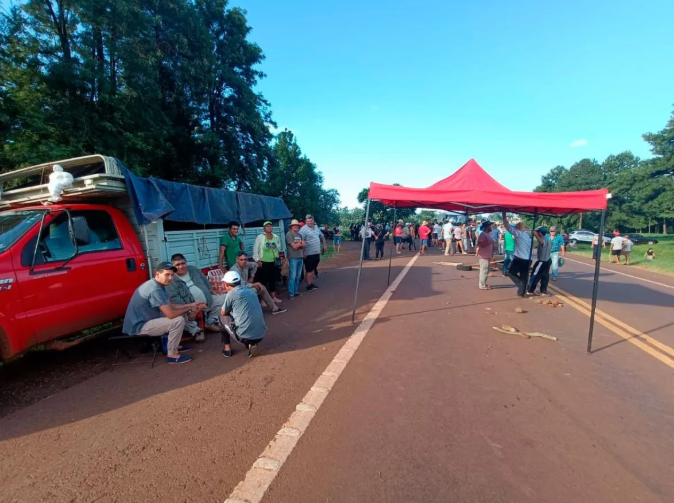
{"points": [[638, 239], [581, 236]]}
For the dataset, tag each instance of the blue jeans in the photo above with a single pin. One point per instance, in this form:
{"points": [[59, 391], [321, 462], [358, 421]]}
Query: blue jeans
{"points": [[554, 256], [294, 273], [507, 260]]}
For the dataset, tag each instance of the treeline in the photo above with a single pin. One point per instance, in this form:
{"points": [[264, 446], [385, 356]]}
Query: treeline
{"points": [[168, 86], [642, 190]]}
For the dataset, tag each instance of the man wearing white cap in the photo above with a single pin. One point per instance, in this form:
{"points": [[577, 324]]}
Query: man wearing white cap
{"points": [[241, 316]]}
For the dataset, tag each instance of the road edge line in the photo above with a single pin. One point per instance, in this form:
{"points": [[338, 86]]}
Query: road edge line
{"points": [[654, 342], [267, 466], [631, 338], [621, 273]]}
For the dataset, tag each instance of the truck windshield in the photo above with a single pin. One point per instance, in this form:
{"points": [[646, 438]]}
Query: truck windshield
{"points": [[14, 224]]}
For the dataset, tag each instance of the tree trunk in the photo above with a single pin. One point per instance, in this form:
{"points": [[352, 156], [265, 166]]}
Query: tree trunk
{"points": [[580, 222], [664, 226]]}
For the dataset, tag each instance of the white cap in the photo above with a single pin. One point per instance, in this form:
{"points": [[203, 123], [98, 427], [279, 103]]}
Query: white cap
{"points": [[232, 277]]}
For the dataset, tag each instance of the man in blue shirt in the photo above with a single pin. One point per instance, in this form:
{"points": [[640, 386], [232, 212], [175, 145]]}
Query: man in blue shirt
{"points": [[558, 249]]}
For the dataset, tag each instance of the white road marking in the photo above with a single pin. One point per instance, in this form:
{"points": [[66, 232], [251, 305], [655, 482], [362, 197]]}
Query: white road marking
{"points": [[622, 273], [263, 472]]}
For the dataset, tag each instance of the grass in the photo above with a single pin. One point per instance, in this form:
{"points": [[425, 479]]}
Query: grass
{"points": [[664, 251]]}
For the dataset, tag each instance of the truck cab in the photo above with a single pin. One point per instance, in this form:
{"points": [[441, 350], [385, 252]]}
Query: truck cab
{"points": [[64, 269]]}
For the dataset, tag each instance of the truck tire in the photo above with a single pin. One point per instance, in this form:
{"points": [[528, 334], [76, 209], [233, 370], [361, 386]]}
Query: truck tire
{"points": [[463, 267]]}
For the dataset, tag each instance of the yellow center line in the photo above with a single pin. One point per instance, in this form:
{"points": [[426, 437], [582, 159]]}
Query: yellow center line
{"points": [[610, 322]]}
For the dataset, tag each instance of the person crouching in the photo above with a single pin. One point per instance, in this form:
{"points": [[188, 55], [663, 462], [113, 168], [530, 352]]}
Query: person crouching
{"points": [[241, 316]]}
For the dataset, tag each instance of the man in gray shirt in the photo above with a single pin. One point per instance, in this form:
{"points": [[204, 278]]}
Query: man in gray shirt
{"points": [[541, 271], [150, 313], [241, 316], [312, 237]]}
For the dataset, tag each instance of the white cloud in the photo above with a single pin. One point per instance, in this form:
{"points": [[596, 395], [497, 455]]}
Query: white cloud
{"points": [[578, 143]]}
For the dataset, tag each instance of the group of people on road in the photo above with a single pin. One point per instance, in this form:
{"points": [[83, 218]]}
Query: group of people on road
{"points": [[180, 295]]}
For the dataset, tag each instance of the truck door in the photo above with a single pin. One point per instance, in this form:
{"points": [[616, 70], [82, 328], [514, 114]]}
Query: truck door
{"points": [[75, 286]]}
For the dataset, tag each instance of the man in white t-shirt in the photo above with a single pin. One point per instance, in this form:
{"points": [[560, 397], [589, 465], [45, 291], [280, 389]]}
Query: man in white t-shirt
{"points": [[616, 247], [447, 235]]}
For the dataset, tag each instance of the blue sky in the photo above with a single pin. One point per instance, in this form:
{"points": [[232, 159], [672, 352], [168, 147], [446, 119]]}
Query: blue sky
{"points": [[407, 91]]}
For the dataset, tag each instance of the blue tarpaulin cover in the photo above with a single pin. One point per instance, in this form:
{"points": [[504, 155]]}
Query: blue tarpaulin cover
{"points": [[181, 202]]}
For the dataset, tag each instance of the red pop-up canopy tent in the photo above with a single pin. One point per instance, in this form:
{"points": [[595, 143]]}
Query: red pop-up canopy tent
{"points": [[472, 190]]}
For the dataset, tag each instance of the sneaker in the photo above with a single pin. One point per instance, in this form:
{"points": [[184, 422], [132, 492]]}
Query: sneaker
{"points": [[280, 310], [226, 353], [553, 279], [311, 288], [213, 327], [252, 350], [291, 298], [263, 303], [277, 300], [199, 336], [176, 360]]}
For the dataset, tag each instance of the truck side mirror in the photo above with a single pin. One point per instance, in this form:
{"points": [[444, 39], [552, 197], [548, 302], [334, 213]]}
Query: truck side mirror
{"points": [[80, 230]]}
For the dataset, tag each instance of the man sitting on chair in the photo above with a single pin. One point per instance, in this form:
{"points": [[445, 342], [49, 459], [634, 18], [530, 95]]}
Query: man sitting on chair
{"points": [[190, 285], [241, 316], [151, 313]]}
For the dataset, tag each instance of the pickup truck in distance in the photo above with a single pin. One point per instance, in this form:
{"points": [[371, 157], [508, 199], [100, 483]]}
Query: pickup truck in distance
{"points": [[64, 269]]}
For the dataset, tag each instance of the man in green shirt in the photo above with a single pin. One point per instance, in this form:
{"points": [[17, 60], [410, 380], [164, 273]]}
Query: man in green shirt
{"points": [[509, 251], [230, 244]]}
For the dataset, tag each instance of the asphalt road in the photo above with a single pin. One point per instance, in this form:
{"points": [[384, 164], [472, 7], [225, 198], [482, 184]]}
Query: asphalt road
{"points": [[642, 299], [433, 406], [436, 406]]}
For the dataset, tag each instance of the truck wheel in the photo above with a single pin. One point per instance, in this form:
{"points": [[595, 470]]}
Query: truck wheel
{"points": [[651, 243]]}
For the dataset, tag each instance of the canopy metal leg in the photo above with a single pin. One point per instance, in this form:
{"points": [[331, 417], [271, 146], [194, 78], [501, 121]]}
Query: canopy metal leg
{"points": [[595, 288], [393, 245], [360, 265]]}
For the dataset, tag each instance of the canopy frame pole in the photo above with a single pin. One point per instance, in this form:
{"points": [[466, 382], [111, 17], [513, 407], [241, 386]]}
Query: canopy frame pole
{"points": [[360, 265], [393, 245], [595, 287]]}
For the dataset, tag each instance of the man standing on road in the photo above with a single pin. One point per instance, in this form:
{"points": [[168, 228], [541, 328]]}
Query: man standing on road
{"points": [[519, 267], [398, 236], [616, 247], [247, 271], [485, 252], [424, 236], [230, 244], [151, 313], [558, 250], [241, 316], [295, 258], [314, 245], [189, 285], [508, 250], [437, 232], [447, 235], [366, 234], [541, 271], [627, 249]]}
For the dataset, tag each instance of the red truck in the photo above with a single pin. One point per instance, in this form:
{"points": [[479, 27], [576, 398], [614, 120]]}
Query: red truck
{"points": [[72, 265]]}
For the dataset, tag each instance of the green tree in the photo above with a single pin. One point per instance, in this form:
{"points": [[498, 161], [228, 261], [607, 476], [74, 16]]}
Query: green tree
{"points": [[379, 212], [293, 177]]}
